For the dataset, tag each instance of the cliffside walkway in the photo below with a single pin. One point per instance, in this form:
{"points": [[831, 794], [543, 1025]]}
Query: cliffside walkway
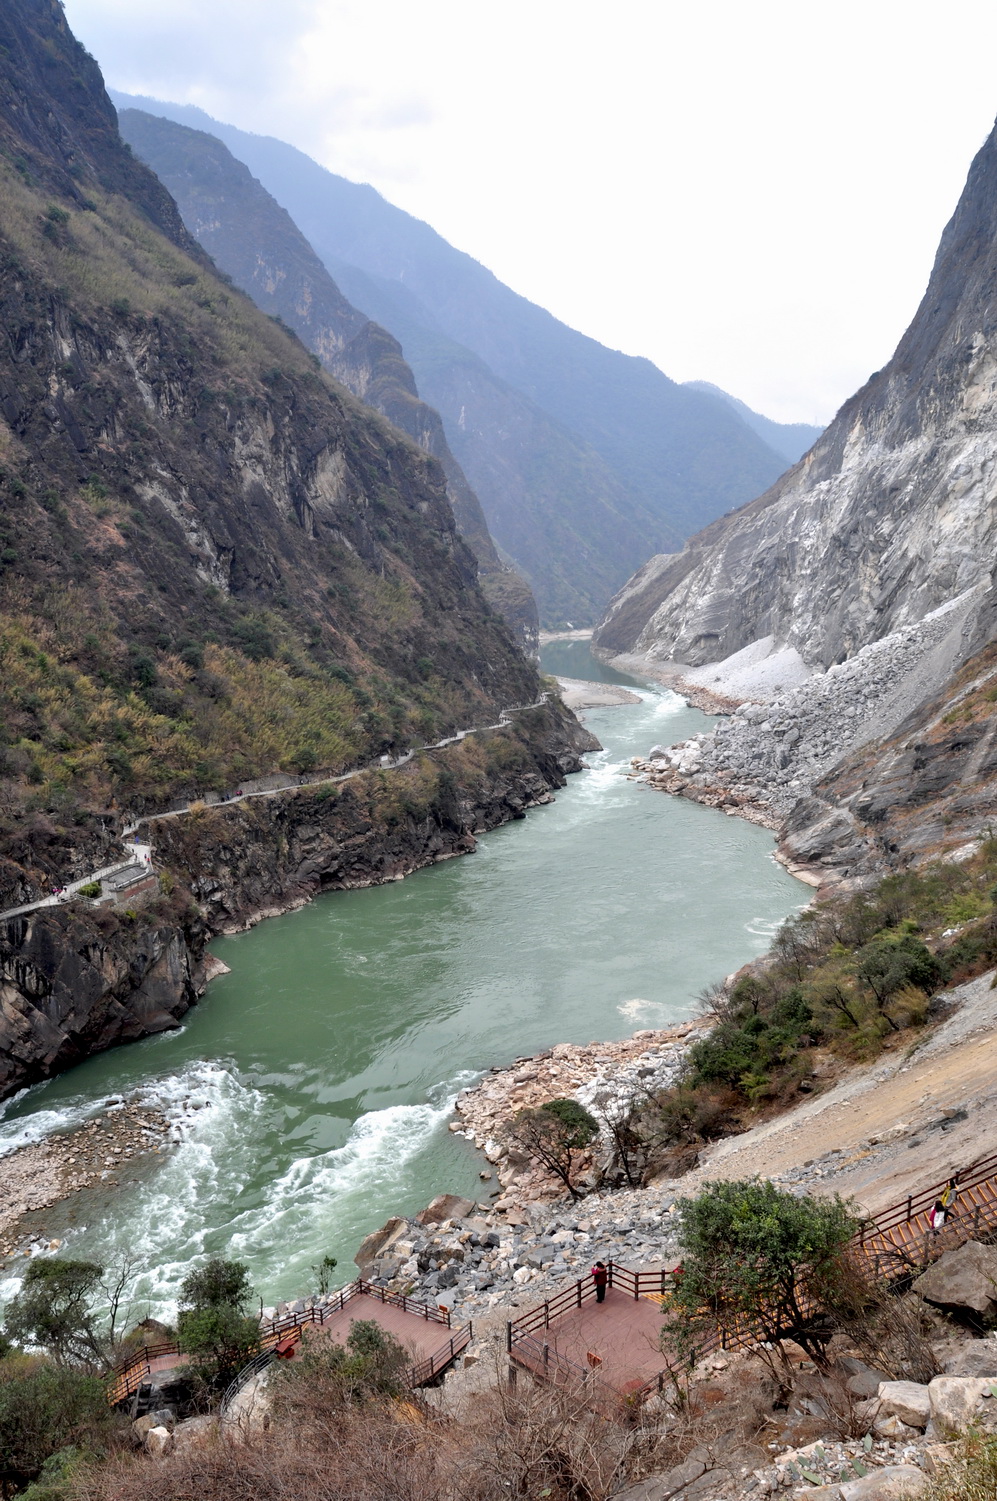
{"points": [[277, 784], [613, 1351], [428, 1334]]}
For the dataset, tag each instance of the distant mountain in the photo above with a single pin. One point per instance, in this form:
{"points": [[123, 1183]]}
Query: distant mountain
{"points": [[790, 439], [585, 460], [254, 241]]}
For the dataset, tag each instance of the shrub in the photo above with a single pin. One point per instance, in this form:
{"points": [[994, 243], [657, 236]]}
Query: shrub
{"points": [[54, 1309], [755, 1254], [212, 1324], [552, 1136], [44, 1409], [90, 890]]}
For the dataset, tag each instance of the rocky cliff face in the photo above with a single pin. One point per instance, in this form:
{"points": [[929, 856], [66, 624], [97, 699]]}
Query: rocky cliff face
{"points": [[854, 602], [890, 514], [256, 242], [215, 564]]}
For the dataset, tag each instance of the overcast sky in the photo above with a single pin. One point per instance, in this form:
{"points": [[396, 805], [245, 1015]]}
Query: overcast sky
{"points": [[746, 191]]}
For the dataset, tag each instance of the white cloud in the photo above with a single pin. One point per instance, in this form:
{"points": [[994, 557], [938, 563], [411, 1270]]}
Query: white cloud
{"points": [[746, 194]]}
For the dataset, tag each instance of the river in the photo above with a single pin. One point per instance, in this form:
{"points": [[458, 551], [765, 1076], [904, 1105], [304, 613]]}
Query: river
{"points": [[312, 1086]]}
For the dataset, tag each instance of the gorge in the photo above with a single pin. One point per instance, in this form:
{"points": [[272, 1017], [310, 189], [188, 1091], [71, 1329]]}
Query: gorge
{"points": [[311, 1088]]}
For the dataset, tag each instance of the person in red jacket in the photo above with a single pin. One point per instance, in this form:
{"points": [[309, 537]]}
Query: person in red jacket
{"points": [[600, 1276]]}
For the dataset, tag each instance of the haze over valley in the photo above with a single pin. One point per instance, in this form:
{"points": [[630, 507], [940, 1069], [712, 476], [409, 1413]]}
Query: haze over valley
{"points": [[498, 891]]}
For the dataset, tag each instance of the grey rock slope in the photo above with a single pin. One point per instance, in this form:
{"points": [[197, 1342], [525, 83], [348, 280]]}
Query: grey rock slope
{"points": [[638, 462], [257, 243], [889, 515]]}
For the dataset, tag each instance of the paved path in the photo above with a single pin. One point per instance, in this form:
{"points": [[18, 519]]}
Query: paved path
{"points": [[143, 852]]}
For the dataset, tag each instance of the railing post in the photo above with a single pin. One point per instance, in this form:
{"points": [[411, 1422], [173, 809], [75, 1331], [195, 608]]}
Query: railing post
{"points": [[546, 1314], [909, 1203], [508, 1336], [578, 1291], [546, 1355]]}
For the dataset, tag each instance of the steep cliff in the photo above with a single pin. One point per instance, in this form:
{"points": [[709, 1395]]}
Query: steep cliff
{"points": [[255, 241], [215, 564], [854, 603], [888, 516], [598, 447]]}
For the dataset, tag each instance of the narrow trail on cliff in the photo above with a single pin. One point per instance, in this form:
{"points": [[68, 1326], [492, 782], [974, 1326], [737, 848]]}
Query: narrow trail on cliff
{"points": [[310, 1091], [280, 784]]}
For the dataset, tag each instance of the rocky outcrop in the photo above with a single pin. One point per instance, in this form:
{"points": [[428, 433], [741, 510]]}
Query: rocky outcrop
{"points": [[74, 981], [257, 243], [963, 1278]]}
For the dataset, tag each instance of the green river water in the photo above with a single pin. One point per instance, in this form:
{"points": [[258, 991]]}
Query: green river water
{"points": [[312, 1086]]}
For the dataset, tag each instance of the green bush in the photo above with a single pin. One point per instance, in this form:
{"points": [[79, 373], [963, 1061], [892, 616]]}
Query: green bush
{"points": [[212, 1325], [45, 1410], [757, 1255]]}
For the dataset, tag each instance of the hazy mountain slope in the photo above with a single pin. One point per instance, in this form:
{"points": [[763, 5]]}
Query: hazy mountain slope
{"points": [[552, 501], [256, 242], [214, 562], [670, 458], [888, 516], [790, 439]]}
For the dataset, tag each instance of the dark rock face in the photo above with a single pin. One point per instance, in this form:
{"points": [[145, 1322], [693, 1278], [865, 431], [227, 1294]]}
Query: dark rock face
{"points": [[256, 242], [886, 518], [74, 982]]}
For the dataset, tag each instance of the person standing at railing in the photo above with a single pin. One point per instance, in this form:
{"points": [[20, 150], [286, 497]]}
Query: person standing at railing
{"points": [[600, 1276]]}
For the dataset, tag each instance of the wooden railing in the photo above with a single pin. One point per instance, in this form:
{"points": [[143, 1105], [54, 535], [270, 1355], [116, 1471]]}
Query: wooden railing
{"points": [[131, 1375], [893, 1244]]}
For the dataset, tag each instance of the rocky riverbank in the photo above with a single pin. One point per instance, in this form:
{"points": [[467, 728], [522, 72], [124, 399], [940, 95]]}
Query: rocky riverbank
{"points": [[99, 1154], [603, 1076], [766, 761]]}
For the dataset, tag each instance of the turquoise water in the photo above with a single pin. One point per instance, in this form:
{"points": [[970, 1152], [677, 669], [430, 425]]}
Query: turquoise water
{"points": [[312, 1086]]}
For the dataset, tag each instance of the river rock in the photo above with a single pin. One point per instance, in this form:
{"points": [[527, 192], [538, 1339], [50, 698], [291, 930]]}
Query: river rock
{"points": [[444, 1207], [906, 1400], [378, 1241], [955, 1401], [159, 1442], [891, 1483], [963, 1278]]}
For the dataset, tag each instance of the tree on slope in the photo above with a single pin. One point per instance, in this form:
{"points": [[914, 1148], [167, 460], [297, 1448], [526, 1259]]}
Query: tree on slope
{"points": [[553, 1135], [759, 1258]]}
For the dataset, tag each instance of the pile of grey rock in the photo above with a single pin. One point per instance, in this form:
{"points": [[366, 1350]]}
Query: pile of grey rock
{"points": [[467, 1258], [774, 752]]}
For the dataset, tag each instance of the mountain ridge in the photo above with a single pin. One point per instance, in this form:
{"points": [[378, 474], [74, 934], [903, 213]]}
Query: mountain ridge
{"points": [[668, 458], [251, 238]]}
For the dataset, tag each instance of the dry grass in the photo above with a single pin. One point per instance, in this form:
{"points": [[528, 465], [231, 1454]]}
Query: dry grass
{"points": [[528, 1441]]}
